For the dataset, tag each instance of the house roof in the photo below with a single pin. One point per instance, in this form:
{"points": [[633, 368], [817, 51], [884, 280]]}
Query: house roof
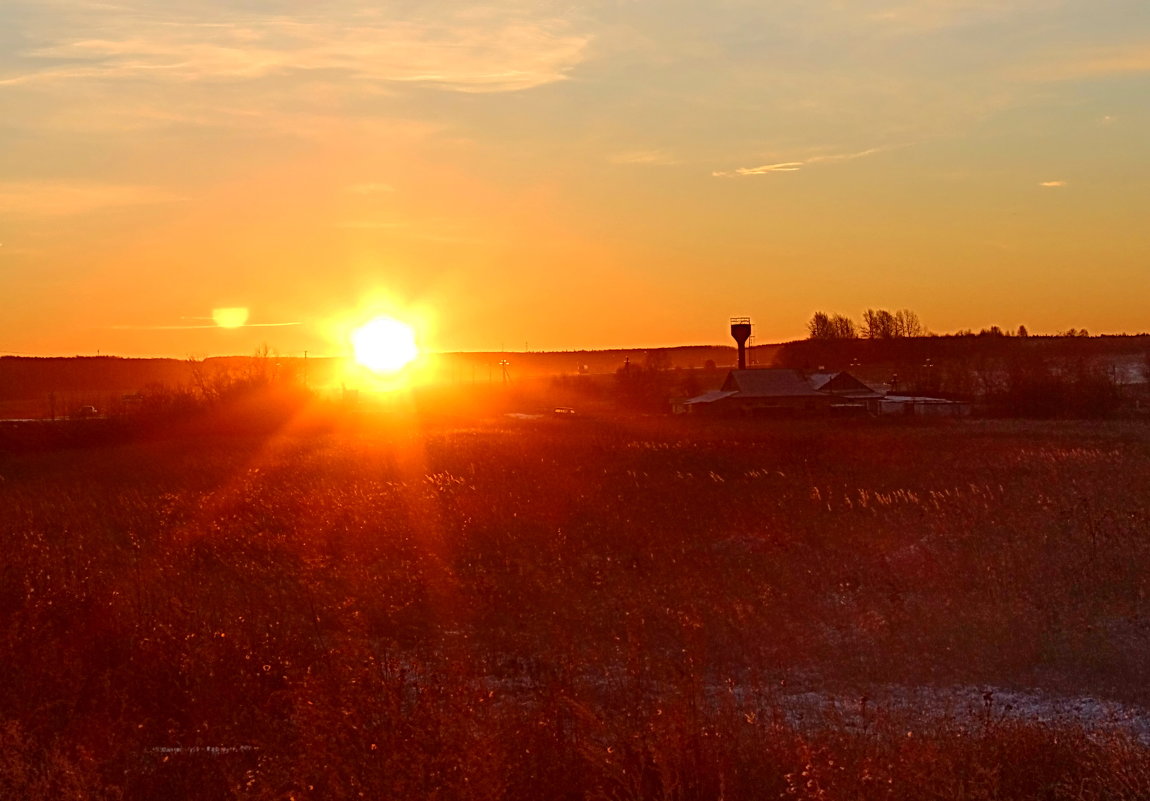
{"points": [[841, 383], [709, 397], [770, 383], [819, 380], [920, 400]]}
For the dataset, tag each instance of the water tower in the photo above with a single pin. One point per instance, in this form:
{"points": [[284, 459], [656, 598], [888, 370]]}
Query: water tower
{"points": [[741, 331]]}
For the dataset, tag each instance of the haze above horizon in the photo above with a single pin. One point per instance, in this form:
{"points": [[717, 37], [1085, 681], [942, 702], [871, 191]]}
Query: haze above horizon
{"points": [[204, 177]]}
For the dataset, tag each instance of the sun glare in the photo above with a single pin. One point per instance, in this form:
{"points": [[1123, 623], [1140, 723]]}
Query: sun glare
{"points": [[230, 316], [384, 344]]}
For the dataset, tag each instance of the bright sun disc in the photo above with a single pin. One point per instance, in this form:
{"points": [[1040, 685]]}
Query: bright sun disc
{"points": [[384, 344], [230, 316]]}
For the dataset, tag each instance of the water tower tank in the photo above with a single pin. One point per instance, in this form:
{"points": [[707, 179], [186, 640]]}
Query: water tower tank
{"points": [[741, 331]]}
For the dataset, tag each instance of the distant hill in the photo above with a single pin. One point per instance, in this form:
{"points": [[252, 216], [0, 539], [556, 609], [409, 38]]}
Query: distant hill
{"points": [[843, 354], [84, 379], [953, 364]]}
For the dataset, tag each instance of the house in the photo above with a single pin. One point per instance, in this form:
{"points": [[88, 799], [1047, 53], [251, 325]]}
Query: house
{"points": [[767, 391], [784, 391], [916, 406], [842, 384]]}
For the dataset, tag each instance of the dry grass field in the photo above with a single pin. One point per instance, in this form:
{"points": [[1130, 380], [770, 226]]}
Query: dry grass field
{"points": [[640, 608]]}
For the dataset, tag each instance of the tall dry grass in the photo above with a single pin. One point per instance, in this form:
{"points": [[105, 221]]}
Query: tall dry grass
{"points": [[610, 610]]}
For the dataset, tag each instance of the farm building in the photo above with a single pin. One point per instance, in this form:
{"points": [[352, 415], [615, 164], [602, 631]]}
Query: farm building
{"points": [[779, 391], [919, 407], [843, 385], [785, 391]]}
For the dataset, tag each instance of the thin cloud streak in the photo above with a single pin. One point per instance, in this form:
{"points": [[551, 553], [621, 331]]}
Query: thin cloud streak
{"points": [[786, 166], [199, 326], [795, 166], [471, 53], [1053, 184]]}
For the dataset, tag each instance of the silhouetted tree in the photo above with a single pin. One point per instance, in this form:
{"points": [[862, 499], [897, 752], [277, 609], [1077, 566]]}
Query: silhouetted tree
{"points": [[819, 326], [907, 324], [878, 324], [824, 326], [844, 327], [882, 324]]}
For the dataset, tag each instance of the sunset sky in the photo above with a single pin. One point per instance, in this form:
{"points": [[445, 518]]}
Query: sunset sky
{"points": [[564, 176]]}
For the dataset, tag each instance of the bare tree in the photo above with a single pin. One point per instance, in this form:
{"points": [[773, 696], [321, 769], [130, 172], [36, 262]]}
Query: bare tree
{"points": [[882, 324], [907, 324], [878, 324], [825, 326], [819, 326], [844, 327]]}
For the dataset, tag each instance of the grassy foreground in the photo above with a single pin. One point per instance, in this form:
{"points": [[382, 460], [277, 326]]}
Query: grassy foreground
{"points": [[530, 609]]}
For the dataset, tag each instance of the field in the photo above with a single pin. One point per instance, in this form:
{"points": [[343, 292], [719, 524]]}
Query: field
{"points": [[632, 608]]}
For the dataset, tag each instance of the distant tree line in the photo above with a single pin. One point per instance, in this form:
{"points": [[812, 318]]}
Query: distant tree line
{"points": [[876, 324], [828, 326], [901, 324]]}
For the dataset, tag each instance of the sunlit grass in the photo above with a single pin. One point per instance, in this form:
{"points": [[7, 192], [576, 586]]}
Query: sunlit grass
{"points": [[540, 609]]}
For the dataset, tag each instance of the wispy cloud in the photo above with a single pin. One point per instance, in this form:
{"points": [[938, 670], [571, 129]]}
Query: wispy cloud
{"points": [[52, 199], [785, 166], [795, 166], [1053, 184], [192, 326], [473, 52], [848, 156]]}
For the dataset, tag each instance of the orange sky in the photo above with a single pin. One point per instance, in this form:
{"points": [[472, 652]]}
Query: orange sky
{"points": [[527, 175]]}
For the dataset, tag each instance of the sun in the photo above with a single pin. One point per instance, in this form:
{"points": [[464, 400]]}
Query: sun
{"points": [[230, 316], [384, 344]]}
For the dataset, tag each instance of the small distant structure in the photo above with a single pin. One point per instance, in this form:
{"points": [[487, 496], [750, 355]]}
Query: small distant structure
{"points": [[783, 391], [787, 391], [842, 385], [762, 392], [918, 406], [741, 332]]}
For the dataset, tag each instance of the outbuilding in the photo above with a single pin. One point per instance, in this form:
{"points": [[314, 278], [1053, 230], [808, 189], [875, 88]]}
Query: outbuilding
{"points": [[768, 391]]}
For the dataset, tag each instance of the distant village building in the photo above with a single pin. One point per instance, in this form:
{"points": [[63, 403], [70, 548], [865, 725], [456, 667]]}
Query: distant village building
{"points": [[843, 385], [782, 391], [766, 391], [916, 406]]}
